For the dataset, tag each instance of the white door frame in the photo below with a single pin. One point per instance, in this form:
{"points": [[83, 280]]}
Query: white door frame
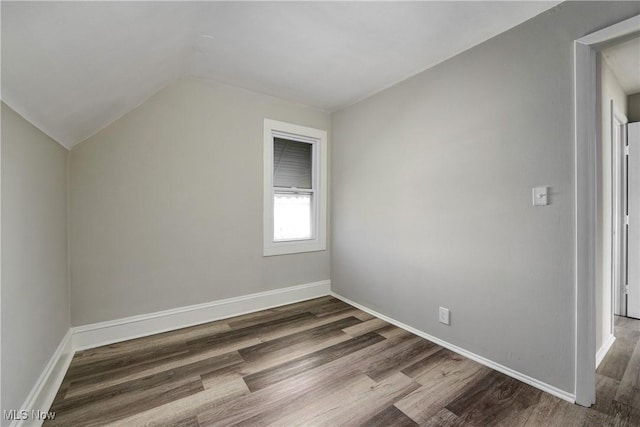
{"points": [[586, 158], [618, 179]]}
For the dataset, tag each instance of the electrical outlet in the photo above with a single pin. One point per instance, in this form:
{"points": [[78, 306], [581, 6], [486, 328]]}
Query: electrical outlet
{"points": [[444, 316]]}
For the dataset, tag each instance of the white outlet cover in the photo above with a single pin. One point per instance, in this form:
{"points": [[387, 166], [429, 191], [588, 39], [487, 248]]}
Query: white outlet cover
{"points": [[444, 316]]}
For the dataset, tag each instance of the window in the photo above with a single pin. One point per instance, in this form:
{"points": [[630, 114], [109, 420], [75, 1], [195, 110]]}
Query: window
{"points": [[295, 188]]}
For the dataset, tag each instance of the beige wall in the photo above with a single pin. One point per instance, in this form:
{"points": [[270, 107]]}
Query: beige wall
{"points": [[633, 107], [431, 200], [609, 89], [35, 292], [166, 205]]}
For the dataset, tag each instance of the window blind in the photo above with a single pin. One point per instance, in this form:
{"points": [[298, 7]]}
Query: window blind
{"points": [[292, 163]]}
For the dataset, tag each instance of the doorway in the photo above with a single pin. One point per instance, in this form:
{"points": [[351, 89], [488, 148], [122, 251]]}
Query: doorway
{"points": [[626, 232], [620, 101], [587, 168]]}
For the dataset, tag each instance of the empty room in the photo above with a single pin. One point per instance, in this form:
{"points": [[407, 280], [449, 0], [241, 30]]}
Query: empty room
{"points": [[320, 213]]}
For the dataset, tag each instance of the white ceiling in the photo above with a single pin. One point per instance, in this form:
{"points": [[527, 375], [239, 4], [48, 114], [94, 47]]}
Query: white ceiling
{"points": [[71, 68], [624, 60]]}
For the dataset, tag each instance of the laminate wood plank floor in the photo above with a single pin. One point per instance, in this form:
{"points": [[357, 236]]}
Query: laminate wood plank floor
{"points": [[322, 363]]}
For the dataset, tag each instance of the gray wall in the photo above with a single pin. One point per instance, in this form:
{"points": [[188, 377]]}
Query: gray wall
{"points": [[431, 200], [35, 292], [166, 205], [633, 107]]}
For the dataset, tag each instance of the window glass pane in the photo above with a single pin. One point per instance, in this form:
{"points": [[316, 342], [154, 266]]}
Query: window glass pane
{"points": [[291, 163], [291, 216]]}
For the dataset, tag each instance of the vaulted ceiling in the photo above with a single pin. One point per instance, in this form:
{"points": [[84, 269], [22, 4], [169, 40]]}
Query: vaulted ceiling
{"points": [[71, 68], [624, 60]]}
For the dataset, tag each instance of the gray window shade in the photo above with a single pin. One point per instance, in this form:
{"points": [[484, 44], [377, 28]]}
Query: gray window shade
{"points": [[291, 163]]}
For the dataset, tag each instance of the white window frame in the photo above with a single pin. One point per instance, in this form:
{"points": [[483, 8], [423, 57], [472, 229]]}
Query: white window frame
{"points": [[318, 138]]}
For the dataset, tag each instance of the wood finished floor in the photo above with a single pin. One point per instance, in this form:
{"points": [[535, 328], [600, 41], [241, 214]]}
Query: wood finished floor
{"points": [[322, 362]]}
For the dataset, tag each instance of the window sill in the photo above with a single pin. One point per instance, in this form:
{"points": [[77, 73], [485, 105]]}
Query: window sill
{"points": [[286, 248]]}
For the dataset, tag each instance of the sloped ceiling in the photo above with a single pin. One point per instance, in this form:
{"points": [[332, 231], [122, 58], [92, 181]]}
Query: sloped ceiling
{"points": [[71, 68], [624, 60]]}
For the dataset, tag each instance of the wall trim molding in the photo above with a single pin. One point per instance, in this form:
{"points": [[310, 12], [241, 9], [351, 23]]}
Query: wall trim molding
{"points": [[482, 360], [93, 335], [103, 333], [46, 387], [604, 349]]}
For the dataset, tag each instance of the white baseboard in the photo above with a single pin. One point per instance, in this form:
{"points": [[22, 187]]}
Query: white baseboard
{"points": [[46, 387], [82, 337], [104, 333], [602, 352], [482, 360]]}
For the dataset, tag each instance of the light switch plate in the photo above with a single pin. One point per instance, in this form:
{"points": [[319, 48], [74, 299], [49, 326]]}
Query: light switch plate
{"points": [[540, 196]]}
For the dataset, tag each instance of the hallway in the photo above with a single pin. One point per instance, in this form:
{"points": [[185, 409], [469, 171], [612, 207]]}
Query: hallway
{"points": [[618, 376]]}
